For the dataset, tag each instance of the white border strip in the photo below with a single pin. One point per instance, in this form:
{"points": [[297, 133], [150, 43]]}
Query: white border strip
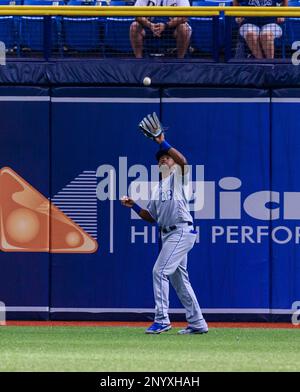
{"points": [[174, 311], [141, 100], [104, 100], [27, 308], [111, 214], [216, 100], [24, 99], [286, 100], [146, 310]]}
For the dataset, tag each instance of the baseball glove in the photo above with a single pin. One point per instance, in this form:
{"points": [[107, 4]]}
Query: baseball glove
{"points": [[151, 126]]}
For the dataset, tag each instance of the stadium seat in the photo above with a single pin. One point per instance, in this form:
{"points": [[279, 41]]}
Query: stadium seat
{"points": [[81, 2], [202, 26], [9, 26], [11, 2], [116, 37], [202, 36], [31, 28], [8, 31], [83, 34], [293, 25], [120, 3], [211, 3], [117, 3]]}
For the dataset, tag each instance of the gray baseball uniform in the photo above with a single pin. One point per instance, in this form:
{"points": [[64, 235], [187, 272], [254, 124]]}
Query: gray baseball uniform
{"points": [[169, 207]]}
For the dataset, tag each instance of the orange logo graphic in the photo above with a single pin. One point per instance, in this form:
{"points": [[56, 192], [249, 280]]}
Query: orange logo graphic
{"points": [[29, 222]]}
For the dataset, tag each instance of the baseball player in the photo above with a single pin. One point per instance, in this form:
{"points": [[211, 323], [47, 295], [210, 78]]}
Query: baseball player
{"points": [[169, 208]]}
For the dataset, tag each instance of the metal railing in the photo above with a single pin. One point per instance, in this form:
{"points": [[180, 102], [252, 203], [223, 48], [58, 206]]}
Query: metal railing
{"points": [[70, 10]]}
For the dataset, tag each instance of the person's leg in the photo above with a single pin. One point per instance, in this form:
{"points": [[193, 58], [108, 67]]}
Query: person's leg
{"points": [[267, 37], [181, 283], [137, 34], [250, 33], [175, 246], [161, 288], [182, 34]]}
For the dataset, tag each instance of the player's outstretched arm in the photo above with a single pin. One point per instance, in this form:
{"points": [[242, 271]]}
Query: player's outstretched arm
{"points": [[144, 214], [152, 128]]}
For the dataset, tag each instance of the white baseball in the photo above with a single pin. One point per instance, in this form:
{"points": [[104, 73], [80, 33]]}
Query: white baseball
{"points": [[147, 81]]}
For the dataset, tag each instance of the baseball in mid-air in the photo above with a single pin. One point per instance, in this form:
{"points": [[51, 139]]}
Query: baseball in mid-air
{"points": [[147, 81]]}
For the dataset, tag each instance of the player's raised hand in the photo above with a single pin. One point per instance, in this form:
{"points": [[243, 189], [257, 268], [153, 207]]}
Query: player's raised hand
{"points": [[127, 201]]}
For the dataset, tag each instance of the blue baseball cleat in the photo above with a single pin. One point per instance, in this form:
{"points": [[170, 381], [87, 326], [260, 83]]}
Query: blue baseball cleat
{"points": [[157, 328], [191, 331]]}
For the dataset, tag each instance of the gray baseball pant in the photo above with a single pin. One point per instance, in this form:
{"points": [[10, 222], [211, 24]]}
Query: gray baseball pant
{"points": [[171, 264]]}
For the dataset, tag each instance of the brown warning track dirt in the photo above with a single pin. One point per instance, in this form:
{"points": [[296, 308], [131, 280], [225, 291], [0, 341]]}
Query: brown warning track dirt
{"points": [[142, 324]]}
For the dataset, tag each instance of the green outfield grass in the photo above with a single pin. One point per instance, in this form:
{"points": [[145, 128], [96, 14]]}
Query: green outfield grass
{"points": [[129, 349]]}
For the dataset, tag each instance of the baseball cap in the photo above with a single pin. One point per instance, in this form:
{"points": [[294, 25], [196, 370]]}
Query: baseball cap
{"points": [[160, 153]]}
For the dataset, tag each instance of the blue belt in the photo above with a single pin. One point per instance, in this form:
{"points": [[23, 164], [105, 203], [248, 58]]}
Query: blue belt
{"points": [[167, 229]]}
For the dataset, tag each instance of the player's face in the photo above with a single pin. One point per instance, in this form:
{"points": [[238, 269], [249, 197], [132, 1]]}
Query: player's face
{"points": [[166, 160]]}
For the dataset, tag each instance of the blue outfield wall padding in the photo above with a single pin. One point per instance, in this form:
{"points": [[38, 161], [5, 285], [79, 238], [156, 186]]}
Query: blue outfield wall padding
{"points": [[176, 72], [107, 92], [285, 181], [193, 92], [25, 91], [228, 133], [93, 131], [35, 73], [145, 315], [163, 73], [285, 93], [24, 277]]}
